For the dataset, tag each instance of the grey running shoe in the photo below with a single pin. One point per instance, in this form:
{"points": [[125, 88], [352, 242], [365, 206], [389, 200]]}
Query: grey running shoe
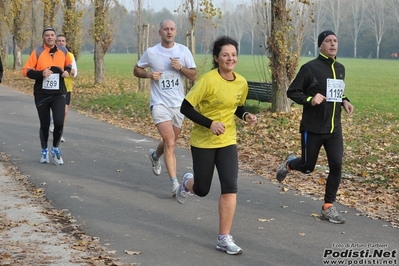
{"points": [[62, 139], [51, 125], [57, 159], [156, 164], [174, 188], [181, 193], [227, 244], [45, 158], [332, 215], [282, 170]]}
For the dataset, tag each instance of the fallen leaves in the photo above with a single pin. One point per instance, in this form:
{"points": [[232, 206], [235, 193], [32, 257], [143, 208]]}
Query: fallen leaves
{"points": [[132, 252], [263, 220], [371, 164], [44, 236]]}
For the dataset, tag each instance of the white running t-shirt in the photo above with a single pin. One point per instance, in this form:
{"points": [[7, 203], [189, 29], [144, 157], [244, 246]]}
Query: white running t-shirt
{"points": [[169, 90]]}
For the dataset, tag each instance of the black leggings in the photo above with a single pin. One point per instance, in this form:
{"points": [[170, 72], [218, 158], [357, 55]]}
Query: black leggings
{"points": [[55, 103], [204, 161], [334, 147]]}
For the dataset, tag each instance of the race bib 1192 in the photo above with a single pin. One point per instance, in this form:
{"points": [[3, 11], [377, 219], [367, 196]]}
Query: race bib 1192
{"points": [[335, 90]]}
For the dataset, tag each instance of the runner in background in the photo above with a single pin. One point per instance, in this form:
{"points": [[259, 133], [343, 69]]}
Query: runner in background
{"points": [[61, 41]]}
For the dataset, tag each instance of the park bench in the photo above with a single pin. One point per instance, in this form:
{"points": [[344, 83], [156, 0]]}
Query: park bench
{"points": [[261, 91]]}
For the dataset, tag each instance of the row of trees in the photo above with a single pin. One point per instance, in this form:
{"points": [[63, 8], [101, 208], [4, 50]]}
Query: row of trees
{"points": [[25, 19], [370, 23], [278, 29]]}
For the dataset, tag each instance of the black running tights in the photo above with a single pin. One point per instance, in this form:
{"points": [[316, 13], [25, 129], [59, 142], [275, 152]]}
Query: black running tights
{"points": [[204, 161], [334, 147], [55, 103]]}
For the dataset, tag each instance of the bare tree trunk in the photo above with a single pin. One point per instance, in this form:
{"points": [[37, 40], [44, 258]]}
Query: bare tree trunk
{"points": [[33, 28], [72, 26], [139, 41], [3, 35], [377, 19], [279, 56], [192, 39], [102, 36], [142, 46], [17, 52], [356, 14], [190, 43], [99, 76], [355, 48], [378, 50], [142, 40]]}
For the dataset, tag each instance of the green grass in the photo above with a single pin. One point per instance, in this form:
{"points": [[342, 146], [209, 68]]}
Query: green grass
{"points": [[126, 104], [372, 84]]}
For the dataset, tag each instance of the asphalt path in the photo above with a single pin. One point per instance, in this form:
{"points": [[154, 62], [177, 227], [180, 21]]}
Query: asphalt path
{"points": [[107, 185]]}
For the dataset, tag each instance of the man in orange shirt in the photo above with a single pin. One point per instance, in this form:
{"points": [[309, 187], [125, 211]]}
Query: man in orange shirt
{"points": [[48, 65]]}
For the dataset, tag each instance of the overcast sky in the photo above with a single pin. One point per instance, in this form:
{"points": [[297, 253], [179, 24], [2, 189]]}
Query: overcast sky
{"points": [[158, 5]]}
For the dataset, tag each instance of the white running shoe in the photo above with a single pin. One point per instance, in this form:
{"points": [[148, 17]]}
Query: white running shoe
{"points": [[45, 158], [227, 244], [181, 193], [156, 164], [62, 139], [57, 159], [51, 125], [174, 188]]}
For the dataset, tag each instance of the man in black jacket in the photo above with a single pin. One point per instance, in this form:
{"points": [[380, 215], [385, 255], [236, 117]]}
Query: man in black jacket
{"points": [[319, 86]]}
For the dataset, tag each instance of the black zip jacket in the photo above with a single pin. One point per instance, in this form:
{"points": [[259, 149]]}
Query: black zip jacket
{"points": [[310, 80]]}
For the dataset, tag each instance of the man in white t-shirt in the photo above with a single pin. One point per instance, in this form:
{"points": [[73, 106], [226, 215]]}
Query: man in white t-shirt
{"points": [[169, 63]]}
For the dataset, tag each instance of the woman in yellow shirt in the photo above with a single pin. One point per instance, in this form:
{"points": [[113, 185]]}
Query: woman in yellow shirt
{"points": [[211, 104]]}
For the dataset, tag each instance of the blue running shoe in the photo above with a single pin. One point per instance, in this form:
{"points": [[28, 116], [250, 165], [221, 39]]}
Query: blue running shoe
{"points": [[45, 158]]}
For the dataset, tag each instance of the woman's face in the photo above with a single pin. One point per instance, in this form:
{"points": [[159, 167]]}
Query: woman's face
{"points": [[227, 58]]}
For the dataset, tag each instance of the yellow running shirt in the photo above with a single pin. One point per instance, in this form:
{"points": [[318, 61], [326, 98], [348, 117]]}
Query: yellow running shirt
{"points": [[69, 80], [217, 99]]}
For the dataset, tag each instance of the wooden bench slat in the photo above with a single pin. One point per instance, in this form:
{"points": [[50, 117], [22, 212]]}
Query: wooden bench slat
{"points": [[261, 91]]}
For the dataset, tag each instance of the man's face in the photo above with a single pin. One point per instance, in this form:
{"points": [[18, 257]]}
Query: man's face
{"points": [[49, 38], [168, 32], [61, 41], [329, 46]]}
